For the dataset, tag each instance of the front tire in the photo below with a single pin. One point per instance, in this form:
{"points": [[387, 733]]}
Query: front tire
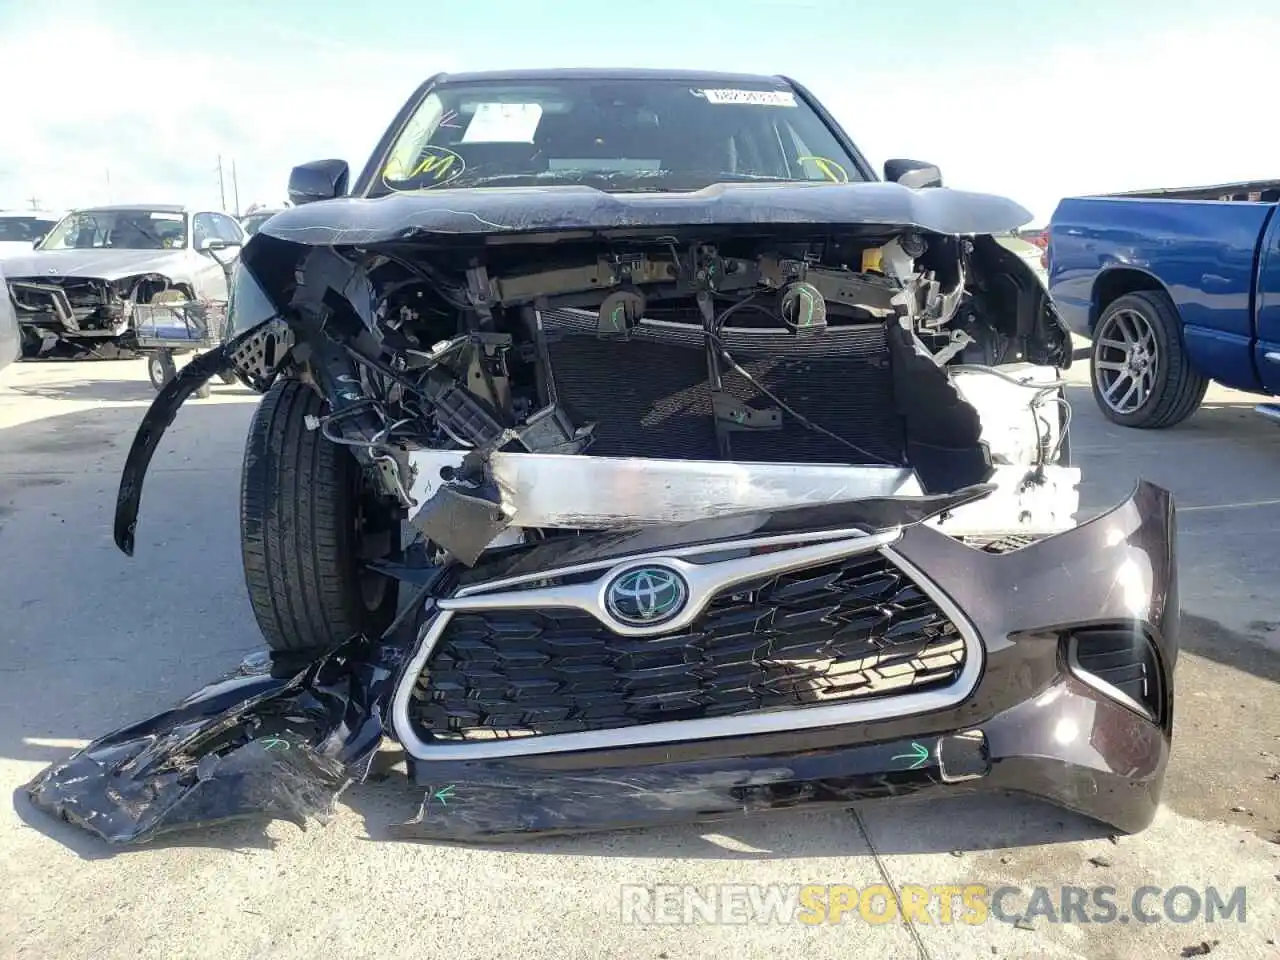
{"points": [[307, 523], [1141, 374]]}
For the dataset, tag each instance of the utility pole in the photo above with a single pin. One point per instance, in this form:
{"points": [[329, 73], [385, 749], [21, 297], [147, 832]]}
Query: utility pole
{"points": [[222, 188], [108, 184], [35, 202], [235, 187]]}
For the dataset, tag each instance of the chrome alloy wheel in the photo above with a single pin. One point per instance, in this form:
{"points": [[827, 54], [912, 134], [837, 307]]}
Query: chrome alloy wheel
{"points": [[1125, 361]]}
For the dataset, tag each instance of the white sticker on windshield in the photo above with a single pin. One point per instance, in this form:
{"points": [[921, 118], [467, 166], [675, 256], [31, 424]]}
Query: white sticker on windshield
{"points": [[759, 98], [165, 216], [503, 123]]}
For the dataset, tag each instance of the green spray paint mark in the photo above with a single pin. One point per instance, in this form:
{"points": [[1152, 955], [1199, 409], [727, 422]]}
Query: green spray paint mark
{"points": [[919, 755], [444, 795]]}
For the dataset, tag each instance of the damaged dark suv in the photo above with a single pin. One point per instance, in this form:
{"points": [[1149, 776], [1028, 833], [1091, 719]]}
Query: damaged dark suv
{"points": [[710, 471]]}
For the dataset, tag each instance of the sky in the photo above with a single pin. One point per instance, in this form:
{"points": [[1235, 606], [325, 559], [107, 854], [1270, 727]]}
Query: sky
{"points": [[136, 100]]}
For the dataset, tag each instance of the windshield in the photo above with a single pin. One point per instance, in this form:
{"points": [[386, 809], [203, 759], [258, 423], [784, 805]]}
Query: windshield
{"points": [[123, 229], [621, 135], [23, 229]]}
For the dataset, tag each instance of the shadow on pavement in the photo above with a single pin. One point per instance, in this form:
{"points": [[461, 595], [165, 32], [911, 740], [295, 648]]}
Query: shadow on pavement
{"points": [[108, 390], [64, 358], [94, 640], [1211, 640], [116, 391], [1221, 467]]}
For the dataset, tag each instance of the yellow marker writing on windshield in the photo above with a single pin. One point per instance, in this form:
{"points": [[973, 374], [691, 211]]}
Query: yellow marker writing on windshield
{"points": [[830, 169], [435, 167], [440, 165]]}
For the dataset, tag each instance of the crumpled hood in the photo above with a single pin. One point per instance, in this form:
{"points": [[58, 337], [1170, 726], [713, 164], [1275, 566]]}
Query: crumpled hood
{"points": [[495, 210], [99, 264]]}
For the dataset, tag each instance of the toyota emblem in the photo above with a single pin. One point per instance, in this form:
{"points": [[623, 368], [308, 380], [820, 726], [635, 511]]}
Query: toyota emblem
{"points": [[646, 596]]}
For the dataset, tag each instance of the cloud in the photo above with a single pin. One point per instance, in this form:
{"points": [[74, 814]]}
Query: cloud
{"points": [[1181, 108], [116, 117], [1177, 107]]}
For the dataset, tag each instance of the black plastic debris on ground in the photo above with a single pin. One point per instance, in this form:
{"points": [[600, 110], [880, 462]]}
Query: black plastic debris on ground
{"points": [[275, 739]]}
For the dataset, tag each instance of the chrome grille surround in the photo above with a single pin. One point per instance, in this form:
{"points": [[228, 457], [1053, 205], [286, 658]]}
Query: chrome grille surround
{"points": [[723, 566]]}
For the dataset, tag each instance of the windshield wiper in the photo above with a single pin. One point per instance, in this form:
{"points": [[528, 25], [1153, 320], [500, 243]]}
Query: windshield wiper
{"points": [[631, 181], [551, 176], [727, 177]]}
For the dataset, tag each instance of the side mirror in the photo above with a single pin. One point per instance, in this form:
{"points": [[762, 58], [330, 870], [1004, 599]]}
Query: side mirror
{"points": [[912, 173], [318, 180]]}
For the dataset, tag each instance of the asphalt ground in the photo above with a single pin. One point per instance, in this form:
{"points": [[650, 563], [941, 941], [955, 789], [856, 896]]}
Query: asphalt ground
{"points": [[91, 640]]}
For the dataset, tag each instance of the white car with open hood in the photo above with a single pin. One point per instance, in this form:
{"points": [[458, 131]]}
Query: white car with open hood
{"points": [[75, 291]]}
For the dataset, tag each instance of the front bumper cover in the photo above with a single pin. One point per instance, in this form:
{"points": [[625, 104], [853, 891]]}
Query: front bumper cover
{"points": [[59, 319], [1032, 722]]}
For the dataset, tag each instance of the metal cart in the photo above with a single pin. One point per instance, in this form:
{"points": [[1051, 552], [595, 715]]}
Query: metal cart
{"points": [[169, 329]]}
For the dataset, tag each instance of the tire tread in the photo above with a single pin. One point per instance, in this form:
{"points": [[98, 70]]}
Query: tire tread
{"points": [[298, 555]]}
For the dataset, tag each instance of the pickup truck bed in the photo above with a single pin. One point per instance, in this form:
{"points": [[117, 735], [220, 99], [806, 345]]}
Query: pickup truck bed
{"points": [[1195, 281]]}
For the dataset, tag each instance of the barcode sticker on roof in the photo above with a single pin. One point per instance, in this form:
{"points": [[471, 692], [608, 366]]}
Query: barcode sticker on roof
{"points": [[759, 98]]}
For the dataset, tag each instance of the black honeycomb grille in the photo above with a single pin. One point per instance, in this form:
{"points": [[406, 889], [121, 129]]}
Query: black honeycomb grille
{"points": [[854, 629]]}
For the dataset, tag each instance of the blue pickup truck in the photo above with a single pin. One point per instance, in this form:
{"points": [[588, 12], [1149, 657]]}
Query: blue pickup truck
{"points": [[1173, 294]]}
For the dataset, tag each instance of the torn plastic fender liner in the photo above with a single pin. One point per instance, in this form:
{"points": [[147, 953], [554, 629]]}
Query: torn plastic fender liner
{"points": [[248, 745], [164, 408]]}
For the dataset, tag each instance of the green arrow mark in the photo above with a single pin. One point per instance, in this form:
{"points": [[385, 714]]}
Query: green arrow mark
{"points": [[919, 755], [444, 794]]}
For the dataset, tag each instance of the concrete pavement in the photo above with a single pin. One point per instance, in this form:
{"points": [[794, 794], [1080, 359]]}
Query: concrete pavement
{"points": [[92, 640]]}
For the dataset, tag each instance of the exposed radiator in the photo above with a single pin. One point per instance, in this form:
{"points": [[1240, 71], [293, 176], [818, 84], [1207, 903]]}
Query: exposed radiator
{"points": [[650, 395]]}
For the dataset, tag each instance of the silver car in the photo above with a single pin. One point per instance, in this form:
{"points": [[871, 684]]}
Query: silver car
{"points": [[78, 286], [9, 342]]}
